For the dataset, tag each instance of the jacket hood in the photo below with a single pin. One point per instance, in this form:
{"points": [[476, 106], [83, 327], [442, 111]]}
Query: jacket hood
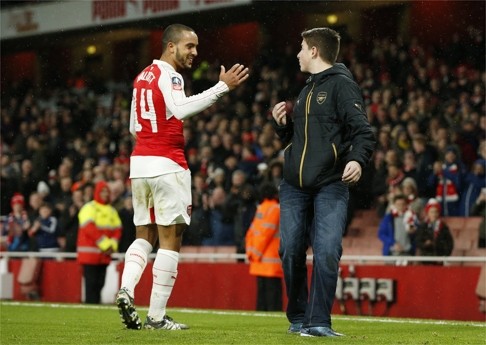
{"points": [[98, 188], [337, 68]]}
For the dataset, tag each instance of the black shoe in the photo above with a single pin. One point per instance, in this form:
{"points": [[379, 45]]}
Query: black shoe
{"points": [[127, 310], [319, 332], [166, 323]]}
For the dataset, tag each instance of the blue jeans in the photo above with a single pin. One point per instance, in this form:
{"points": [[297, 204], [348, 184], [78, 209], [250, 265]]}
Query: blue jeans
{"points": [[315, 218]]}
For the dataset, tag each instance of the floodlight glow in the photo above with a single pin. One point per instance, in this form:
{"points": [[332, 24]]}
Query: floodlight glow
{"points": [[332, 19], [91, 50]]}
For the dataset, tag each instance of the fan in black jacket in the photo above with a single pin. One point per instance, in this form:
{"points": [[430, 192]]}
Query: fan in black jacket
{"points": [[433, 236], [329, 128], [329, 140]]}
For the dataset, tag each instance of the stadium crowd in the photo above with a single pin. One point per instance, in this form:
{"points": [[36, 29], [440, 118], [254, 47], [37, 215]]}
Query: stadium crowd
{"points": [[426, 105]]}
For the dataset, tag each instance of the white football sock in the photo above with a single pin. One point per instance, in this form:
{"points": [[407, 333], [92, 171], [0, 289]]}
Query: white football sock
{"points": [[164, 277], [136, 259]]}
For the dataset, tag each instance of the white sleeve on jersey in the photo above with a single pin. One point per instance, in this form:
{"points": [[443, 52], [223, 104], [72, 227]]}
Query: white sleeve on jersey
{"points": [[172, 86], [133, 118]]}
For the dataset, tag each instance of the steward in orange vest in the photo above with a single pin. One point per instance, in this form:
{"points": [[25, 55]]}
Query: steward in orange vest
{"points": [[262, 245]]}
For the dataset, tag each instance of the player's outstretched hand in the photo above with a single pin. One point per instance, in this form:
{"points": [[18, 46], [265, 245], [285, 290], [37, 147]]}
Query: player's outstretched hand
{"points": [[235, 76]]}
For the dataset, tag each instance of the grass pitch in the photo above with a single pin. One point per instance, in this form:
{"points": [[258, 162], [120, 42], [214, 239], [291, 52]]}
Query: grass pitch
{"points": [[44, 323]]}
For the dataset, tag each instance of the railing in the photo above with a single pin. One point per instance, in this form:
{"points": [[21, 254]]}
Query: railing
{"points": [[214, 257]]}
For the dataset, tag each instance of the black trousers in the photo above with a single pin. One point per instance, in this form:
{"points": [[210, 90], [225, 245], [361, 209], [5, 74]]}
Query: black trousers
{"points": [[269, 294], [94, 280]]}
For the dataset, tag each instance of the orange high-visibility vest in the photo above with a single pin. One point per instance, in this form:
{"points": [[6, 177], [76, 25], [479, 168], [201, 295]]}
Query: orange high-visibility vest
{"points": [[263, 240]]}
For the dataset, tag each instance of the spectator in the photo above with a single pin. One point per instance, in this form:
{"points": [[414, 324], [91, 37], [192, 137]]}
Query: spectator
{"points": [[200, 217], [19, 146], [128, 227], [44, 191], [88, 192], [98, 236], [35, 202], [409, 166], [217, 178], [273, 173], [16, 226], [45, 230], [394, 177], [448, 177], [243, 207], [474, 182], [433, 236], [69, 222], [248, 162], [409, 189], [397, 229], [9, 181], [38, 156], [117, 194], [221, 223], [262, 245], [425, 156], [379, 175], [479, 210], [27, 181], [63, 197]]}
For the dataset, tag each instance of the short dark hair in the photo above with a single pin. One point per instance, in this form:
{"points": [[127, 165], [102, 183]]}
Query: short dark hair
{"points": [[172, 33], [268, 191], [326, 41]]}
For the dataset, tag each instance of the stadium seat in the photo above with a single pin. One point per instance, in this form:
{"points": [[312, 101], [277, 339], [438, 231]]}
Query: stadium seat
{"points": [[455, 224], [464, 231], [365, 247], [206, 250], [188, 250], [362, 236], [225, 250], [347, 241]]}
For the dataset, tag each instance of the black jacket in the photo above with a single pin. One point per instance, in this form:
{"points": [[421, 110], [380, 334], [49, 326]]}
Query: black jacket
{"points": [[328, 128], [441, 245]]}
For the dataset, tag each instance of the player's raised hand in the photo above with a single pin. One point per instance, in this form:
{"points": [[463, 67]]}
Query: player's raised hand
{"points": [[235, 76]]}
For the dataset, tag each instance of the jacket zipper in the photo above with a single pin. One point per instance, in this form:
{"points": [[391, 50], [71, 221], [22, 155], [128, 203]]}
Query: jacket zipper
{"points": [[335, 153], [307, 110]]}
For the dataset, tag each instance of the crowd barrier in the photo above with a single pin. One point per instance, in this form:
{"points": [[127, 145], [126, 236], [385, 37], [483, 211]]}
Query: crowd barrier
{"points": [[397, 287]]}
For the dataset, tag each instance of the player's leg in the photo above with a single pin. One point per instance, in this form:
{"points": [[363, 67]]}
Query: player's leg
{"points": [[136, 257], [172, 200]]}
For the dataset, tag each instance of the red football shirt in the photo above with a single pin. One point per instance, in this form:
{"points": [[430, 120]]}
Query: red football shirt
{"points": [[159, 105]]}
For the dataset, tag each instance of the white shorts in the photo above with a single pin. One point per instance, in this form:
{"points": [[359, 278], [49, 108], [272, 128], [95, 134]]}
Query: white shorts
{"points": [[163, 200]]}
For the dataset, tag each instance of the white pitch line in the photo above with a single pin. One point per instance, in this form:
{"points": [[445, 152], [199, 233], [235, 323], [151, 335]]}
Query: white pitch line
{"points": [[260, 314]]}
